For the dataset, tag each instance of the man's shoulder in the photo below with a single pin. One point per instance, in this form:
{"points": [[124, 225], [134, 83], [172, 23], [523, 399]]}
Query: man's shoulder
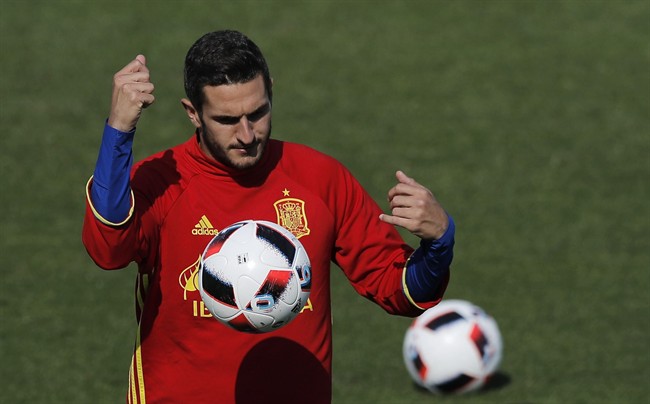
{"points": [[311, 164], [302, 152], [163, 160], [163, 169]]}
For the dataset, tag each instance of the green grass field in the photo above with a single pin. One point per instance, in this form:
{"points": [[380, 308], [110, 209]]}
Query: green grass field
{"points": [[528, 119]]}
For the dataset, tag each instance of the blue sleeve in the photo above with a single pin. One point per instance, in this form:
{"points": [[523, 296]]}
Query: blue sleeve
{"points": [[111, 191], [429, 265]]}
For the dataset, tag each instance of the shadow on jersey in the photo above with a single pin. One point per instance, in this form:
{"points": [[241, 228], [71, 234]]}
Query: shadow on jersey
{"points": [[278, 370]]}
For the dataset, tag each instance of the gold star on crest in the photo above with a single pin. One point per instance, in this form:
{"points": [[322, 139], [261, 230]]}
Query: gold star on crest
{"points": [[285, 192]]}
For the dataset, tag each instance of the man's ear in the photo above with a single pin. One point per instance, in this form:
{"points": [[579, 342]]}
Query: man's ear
{"points": [[191, 112]]}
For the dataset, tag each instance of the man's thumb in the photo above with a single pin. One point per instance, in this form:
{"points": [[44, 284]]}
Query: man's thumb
{"points": [[403, 178]]}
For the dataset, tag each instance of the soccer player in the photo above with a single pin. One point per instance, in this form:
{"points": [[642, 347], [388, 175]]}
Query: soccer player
{"points": [[162, 211]]}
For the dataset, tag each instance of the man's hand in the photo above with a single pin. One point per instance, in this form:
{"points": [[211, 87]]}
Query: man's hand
{"points": [[132, 92], [416, 209]]}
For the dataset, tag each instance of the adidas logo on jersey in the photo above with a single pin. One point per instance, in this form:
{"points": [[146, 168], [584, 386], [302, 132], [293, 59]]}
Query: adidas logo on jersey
{"points": [[204, 228]]}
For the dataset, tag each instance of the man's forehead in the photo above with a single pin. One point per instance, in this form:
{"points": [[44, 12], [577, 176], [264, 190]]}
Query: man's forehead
{"points": [[235, 99]]}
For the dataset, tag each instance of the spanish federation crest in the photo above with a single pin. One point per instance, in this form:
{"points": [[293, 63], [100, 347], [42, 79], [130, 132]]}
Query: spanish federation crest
{"points": [[291, 216]]}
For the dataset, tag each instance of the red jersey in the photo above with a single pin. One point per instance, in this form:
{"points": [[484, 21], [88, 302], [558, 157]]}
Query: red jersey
{"points": [[181, 198]]}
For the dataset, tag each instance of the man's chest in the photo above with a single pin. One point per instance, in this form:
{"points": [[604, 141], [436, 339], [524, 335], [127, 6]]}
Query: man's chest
{"points": [[206, 207]]}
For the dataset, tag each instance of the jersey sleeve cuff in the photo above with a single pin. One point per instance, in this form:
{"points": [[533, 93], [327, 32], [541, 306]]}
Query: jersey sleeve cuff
{"points": [[100, 217], [419, 305]]}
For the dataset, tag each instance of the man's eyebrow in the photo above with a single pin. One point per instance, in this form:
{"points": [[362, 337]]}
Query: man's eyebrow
{"points": [[259, 112], [226, 119], [233, 119]]}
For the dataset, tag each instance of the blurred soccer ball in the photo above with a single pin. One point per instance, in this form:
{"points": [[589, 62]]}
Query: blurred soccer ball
{"points": [[452, 348], [255, 276]]}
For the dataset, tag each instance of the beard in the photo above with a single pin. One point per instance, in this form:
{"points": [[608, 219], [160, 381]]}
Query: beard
{"points": [[237, 155]]}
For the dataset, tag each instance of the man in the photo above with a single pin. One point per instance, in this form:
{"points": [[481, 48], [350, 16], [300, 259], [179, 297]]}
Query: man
{"points": [[162, 212]]}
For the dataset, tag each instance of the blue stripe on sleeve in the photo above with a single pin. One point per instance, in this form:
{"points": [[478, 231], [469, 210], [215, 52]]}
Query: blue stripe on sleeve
{"points": [[429, 265], [111, 191]]}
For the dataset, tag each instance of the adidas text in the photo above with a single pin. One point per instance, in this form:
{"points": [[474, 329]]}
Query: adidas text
{"points": [[205, 232]]}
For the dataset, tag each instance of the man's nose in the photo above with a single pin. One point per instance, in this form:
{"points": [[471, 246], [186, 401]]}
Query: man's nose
{"points": [[245, 132]]}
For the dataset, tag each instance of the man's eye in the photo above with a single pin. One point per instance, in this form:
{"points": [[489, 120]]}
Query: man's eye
{"points": [[258, 114], [227, 120]]}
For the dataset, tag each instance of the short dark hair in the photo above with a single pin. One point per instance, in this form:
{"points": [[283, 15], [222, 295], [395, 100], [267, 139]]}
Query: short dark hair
{"points": [[223, 57]]}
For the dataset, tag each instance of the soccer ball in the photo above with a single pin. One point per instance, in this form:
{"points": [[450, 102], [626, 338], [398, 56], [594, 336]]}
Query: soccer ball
{"points": [[255, 276], [452, 348]]}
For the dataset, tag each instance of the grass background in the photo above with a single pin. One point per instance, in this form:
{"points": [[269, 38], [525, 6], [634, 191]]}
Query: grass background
{"points": [[528, 119]]}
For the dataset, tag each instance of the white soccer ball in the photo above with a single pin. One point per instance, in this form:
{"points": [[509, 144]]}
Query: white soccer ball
{"points": [[452, 348], [255, 276]]}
